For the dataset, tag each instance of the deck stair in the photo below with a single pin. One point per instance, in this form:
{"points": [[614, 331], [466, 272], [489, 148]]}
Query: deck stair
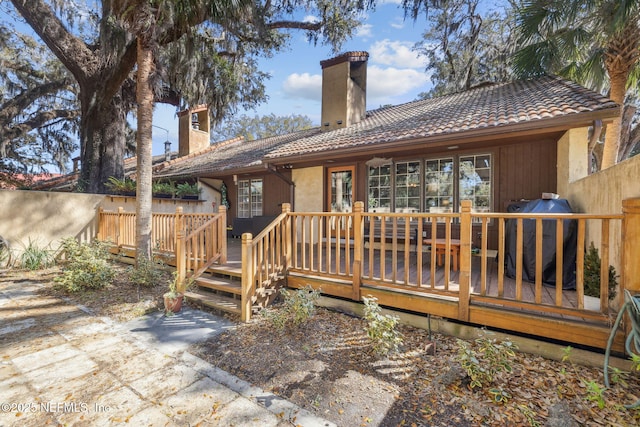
{"points": [[219, 288]]}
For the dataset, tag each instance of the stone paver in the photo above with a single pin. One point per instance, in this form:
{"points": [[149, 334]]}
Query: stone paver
{"points": [[59, 364]]}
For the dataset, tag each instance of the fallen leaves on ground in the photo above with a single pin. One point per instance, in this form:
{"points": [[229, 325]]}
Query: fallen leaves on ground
{"points": [[327, 366]]}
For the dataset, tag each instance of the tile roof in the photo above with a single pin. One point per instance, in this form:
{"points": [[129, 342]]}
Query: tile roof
{"points": [[234, 154], [490, 108]]}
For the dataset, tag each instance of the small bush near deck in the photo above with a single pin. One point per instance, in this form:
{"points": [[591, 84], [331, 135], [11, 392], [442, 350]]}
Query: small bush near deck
{"points": [[86, 266], [592, 274], [483, 360], [299, 306], [147, 273], [381, 329], [34, 257]]}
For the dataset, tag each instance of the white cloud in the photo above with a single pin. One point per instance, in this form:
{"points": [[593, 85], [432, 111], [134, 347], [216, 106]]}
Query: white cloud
{"points": [[364, 31], [383, 84], [303, 86], [310, 18], [390, 2], [395, 53], [397, 23]]}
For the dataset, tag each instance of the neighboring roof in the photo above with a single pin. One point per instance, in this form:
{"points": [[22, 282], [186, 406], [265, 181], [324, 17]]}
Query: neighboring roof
{"points": [[528, 104], [69, 182], [234, 154]]}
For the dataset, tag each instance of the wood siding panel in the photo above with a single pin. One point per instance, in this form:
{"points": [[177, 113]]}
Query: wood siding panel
{"points": [[275, 192], [525, 171]]}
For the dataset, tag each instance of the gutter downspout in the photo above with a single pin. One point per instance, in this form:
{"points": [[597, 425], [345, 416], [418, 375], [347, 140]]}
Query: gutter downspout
{"points": [[292, 185]]}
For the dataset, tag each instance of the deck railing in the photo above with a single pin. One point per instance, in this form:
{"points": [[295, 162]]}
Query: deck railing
{"points": [[119, 227], [199, 243], [265, 259], [402, 259]]}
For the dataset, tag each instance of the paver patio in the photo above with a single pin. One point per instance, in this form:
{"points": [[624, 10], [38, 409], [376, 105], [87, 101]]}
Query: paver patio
{"points": [[60, 364]]}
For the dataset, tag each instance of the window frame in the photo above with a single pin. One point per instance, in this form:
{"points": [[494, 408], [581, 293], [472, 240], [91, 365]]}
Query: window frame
{"points": [[246, 189], [455, 188]]}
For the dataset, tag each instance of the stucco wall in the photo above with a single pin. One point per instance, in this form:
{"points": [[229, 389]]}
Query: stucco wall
{"points": [[46, 217], [572, 158], [603, 193], [112, 203], [309, 195]]}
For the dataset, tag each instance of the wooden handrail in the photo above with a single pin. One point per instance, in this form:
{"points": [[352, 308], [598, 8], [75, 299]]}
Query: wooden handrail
{"points": [[198, 250], [264, 258]]}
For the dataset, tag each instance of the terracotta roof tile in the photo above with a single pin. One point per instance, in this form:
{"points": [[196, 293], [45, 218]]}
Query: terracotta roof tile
{"points": [[234, 154], [492, 106]]}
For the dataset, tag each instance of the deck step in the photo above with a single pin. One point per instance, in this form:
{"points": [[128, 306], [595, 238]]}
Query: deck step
{"points": [[219, 302], [225, 270], [220, 284]]}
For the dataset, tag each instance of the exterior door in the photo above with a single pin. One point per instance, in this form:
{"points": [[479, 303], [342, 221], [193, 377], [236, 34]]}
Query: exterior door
{"points": [[341, 185]]}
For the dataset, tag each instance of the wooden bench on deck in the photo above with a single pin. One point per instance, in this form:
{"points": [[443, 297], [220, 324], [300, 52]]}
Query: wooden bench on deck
{"points": [[400, 234]]}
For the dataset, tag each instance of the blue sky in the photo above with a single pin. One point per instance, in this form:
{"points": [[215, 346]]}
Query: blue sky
{"points": [[395, 74]]}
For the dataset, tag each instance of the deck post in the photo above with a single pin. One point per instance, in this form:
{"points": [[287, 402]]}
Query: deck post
{"points": [[286, 208], [358, 236], [100, 226], [222, 233], [465, 260], [630, 279], [120, 234], [181, 269], [247, 276]]}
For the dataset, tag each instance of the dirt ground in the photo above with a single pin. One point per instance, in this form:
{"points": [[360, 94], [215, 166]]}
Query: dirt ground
{"points": [[327, 366]]}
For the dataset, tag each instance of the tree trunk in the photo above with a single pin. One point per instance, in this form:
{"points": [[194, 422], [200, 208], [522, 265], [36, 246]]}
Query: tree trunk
{"points": [[102, 132], [612, 138], [144, 96]]}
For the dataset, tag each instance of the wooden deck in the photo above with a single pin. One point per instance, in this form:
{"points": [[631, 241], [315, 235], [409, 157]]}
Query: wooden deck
{"points": [[331, 252], [569, 298]]}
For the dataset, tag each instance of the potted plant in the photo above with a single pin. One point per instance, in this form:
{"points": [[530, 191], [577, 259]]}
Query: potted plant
{"points": [[188, 191], [125, 187], [173, 298], [165, 190]]}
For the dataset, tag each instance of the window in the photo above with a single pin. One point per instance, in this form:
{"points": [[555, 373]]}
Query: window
{"points": [[475, 181], [438, 180], [380, 189], [249, 198], [407, 187]]}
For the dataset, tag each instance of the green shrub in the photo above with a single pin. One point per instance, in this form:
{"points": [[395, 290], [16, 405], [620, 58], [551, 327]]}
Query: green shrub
{"points": [[121, 186], [299, 306], [381, 329], [483, 360], [147, 273], [592, 274], [86, 266], [35, 258], [164, 188]]}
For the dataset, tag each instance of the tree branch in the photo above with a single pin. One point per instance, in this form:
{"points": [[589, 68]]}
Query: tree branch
{"points": [[70, 50], [13, 107], [36, 121]]}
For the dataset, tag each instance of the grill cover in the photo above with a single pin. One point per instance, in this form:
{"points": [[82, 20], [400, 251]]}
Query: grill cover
{"points": [[548, 243]]}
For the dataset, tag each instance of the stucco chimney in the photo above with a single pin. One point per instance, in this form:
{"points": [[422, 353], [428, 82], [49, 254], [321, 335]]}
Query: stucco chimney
{"points": [[193, 127], [344, 90]]}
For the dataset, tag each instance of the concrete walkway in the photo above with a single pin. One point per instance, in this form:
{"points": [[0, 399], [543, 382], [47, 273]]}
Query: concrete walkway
{"points": [[59, 364]]}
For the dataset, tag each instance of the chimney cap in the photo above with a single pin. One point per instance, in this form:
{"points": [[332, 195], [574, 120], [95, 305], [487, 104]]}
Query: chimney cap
{"points": [[355, 56]]}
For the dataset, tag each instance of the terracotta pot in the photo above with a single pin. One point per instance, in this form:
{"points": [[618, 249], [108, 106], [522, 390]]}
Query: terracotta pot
{"points": [[173, 304]]}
